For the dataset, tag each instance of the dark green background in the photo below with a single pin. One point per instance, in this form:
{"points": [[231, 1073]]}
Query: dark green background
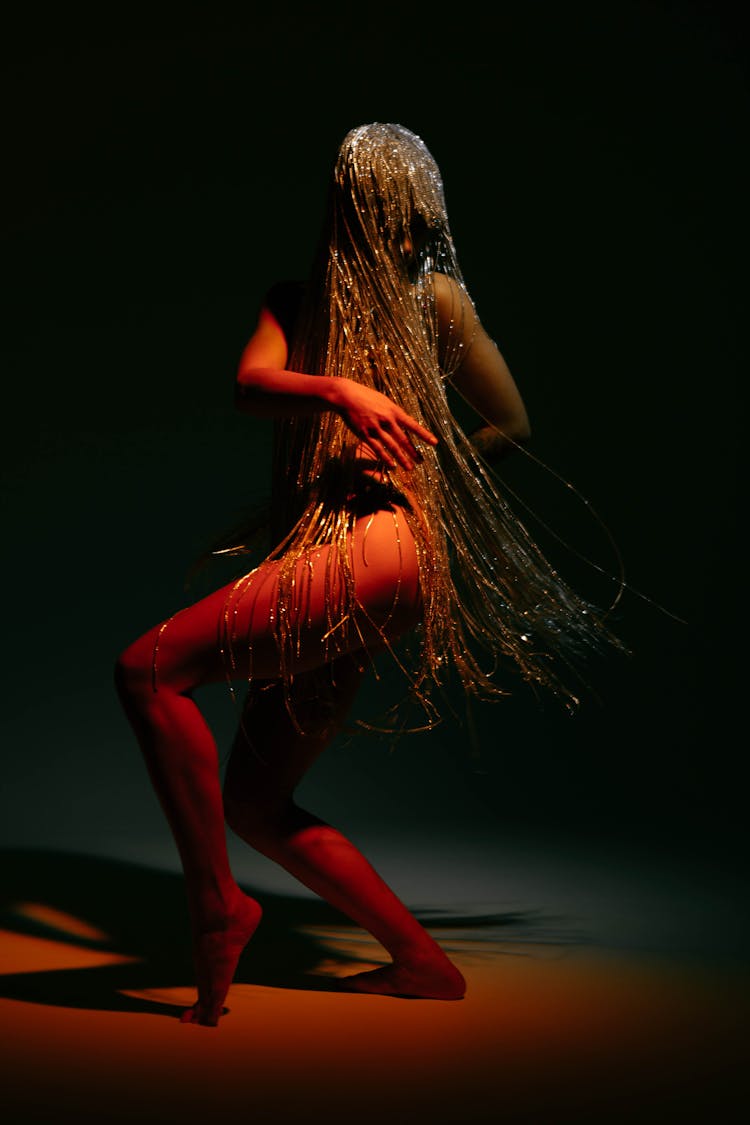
{"points": [[160, 173]]}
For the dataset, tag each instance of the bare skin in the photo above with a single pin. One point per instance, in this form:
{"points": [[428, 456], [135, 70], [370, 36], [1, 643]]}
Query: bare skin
{"points": [[270, 756], [182, 760], [259, 804]]}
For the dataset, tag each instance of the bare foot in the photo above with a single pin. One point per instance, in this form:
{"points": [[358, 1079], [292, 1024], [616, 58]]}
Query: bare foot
{"points": [[216, 953], [416, 981]]}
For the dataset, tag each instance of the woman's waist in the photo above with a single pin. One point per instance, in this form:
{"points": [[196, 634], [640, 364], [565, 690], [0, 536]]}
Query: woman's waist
{"points": [[361, 480]]}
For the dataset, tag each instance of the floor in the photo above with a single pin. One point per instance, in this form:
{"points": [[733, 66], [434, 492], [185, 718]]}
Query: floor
{"points": [[559, 1024]]}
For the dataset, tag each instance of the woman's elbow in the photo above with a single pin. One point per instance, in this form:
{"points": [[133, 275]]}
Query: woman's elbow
{"points": [[495, 443], [515, 427], [515, 436], [520, 433], [241, 398], [246, 397]]}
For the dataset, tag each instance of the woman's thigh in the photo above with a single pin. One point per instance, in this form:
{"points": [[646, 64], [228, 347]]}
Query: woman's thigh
{"points": [[282, 732], [236, 633]]}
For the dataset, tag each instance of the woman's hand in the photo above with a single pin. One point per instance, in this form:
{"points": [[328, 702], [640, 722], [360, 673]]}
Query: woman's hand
{"points": [[380, 423]]}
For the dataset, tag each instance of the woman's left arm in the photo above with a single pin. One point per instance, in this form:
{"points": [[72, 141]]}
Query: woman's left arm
{"points": [[482, 378]]}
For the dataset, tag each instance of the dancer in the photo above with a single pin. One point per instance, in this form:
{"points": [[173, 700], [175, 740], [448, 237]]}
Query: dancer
{"points": [[386, 527]]}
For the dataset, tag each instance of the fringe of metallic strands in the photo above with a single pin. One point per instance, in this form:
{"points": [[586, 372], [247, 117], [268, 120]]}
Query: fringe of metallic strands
{"points": [[491, 599]]}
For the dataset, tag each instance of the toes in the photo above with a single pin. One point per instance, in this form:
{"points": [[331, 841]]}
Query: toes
{"points": [[206, 1017], [388, 981]]}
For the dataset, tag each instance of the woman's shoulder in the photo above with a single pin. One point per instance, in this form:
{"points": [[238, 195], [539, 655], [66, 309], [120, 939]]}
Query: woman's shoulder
{"points": [[450, 295], [457, 319]]}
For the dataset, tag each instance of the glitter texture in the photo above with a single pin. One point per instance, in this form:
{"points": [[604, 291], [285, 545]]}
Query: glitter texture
{"points": [[492, 602]]}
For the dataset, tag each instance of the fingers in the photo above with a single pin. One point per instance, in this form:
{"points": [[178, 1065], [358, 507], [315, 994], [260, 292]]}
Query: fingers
{"points": [[402, 452], [405, 428], [417, 428], [387, 451], [393, 444], [386, 427]]}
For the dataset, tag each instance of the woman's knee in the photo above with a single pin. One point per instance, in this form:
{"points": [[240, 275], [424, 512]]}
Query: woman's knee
{"points": [[134, 667], [258, 820]]}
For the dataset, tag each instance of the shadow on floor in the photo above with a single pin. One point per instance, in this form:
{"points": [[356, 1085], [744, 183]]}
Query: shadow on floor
{"points": [[141, 913]]}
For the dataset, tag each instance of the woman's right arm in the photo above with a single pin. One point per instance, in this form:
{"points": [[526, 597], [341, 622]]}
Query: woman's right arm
{"points": [[266, 388]]}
